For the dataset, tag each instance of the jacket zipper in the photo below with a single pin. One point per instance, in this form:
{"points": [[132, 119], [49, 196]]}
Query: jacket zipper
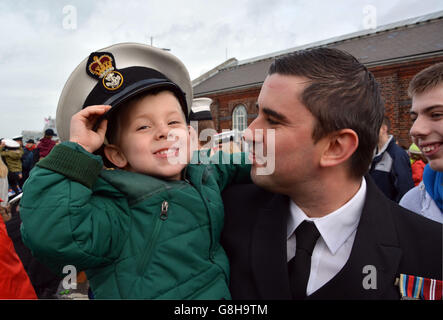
{"points": [[146, 258], [211, 249]]}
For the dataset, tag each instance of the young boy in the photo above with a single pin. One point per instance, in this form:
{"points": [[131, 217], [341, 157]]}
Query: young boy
{"points": [[426, 91], [148, 228]]}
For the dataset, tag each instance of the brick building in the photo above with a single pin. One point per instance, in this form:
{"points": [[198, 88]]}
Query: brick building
{"points": [[394, 53]]}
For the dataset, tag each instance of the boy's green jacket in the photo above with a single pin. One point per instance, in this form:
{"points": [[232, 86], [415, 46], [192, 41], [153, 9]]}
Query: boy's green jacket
{"points": [[137, 237]]}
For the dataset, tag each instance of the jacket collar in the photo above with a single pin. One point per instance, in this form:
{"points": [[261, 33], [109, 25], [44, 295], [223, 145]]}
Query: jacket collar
{"points": [[269, 250], [385, 146], [375, 244], [371, 268], [136, 186]]}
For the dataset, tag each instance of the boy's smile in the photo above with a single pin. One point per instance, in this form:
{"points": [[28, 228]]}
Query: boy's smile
{"points": [[164, 153], [427, 128]]}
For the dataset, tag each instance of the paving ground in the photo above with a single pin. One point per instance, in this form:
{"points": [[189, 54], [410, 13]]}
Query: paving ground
{"points": [[81, 293]]}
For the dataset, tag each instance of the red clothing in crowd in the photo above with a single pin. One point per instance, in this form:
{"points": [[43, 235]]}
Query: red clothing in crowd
{"points": [[417, 171], [14, 281], [45, 146]]}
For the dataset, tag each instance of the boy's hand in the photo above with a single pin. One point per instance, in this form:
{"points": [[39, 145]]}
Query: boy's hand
{"points": [[82, 124]]}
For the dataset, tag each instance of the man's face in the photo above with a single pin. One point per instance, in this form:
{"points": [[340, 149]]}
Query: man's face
{"points": [[427, 128], [296, 155], [155, 138]]}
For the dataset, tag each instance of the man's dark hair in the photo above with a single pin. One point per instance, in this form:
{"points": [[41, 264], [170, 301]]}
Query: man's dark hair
{"points": [[341, 93]]}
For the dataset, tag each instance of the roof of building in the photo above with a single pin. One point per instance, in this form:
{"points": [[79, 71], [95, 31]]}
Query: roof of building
{"points": [[400, 41]]}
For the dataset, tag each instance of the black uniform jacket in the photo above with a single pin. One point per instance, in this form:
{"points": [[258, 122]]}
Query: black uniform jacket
{"points": [[389, 239]]}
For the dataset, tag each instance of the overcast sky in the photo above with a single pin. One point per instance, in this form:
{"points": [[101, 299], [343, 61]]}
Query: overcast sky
{"points": [[43, 41]]}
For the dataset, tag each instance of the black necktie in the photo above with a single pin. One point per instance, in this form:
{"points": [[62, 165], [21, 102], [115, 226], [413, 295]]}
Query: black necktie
{"points": [[299, 267]]}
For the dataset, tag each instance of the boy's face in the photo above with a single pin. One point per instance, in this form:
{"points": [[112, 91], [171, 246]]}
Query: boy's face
{"points": [[154, 138], [427, 128]]}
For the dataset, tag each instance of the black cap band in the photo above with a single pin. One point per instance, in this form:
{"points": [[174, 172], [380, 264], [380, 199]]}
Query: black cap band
{"points": [[199, 116], [136, 80]]}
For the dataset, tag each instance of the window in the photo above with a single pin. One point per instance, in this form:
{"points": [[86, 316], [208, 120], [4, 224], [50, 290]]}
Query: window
{"points": [[239, 118]]}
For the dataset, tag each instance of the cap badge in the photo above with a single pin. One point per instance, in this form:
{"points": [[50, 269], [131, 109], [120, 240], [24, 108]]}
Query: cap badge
{"points": [[101, 66]]}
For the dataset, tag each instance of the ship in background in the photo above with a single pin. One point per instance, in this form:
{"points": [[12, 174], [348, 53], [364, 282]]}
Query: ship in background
{"points": [[37, 135]]}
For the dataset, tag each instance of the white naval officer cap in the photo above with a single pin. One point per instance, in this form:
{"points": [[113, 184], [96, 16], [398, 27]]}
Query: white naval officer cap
{"points": [[114, 74], [201, 109]]}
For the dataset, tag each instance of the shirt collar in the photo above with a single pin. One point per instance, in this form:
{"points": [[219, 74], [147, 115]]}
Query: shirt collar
{"points": [[385, 146], [335, 227]]}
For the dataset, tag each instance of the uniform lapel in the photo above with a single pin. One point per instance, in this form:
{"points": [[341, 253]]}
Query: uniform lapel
{"points": [[269, 250], [372, 266]]}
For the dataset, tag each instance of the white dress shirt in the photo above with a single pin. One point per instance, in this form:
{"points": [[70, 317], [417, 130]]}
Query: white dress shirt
{"points": [[337, 233]]}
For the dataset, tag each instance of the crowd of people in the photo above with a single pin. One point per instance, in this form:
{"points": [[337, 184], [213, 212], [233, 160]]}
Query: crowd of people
{"points": [[123, 201], [31, 278], [20, 159]]}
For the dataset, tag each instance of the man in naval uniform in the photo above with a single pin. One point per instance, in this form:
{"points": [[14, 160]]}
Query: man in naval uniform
{"points": [[317, 227]]}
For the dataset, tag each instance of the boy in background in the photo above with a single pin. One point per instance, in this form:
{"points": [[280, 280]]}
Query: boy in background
{"points": [[426, 91]]}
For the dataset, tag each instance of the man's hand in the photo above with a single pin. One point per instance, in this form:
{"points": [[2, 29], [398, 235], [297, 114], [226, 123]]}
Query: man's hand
{"points": [[82, 124]]}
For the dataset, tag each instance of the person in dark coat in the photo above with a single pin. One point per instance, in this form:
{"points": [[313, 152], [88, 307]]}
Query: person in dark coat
{"points": [[30, 157], [391, 167], [316, 226]]}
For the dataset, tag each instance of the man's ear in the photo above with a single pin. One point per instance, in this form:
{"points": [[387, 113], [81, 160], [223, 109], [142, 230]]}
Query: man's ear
{"points": [[383, 129], [115, 156], [340, 147]]}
